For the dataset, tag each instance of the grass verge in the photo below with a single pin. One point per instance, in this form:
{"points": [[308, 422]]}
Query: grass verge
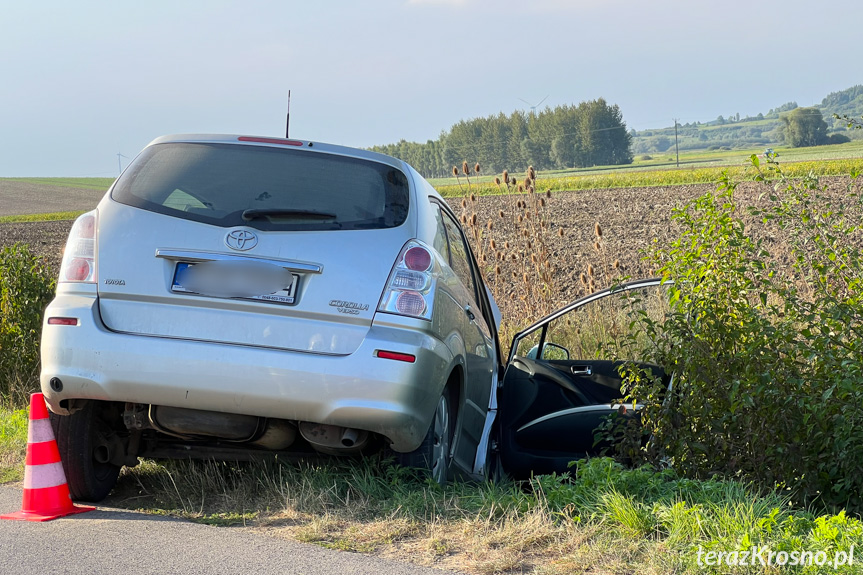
{"points": [[609, 520], [52, 217], [13, 443]]}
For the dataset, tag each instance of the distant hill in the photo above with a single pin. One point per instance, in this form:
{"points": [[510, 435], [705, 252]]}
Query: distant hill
{"points": [[594, 133], [737, 132]]}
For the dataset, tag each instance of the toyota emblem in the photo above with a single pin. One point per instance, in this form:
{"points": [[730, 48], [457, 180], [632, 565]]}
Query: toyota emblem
{"points": [[241, 240]]}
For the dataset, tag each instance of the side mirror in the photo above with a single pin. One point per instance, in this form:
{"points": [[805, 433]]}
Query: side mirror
{"points": [[554, 351]]}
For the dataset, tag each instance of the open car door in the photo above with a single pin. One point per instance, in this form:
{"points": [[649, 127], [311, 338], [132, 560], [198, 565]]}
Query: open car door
{"points": [[562, 380]]}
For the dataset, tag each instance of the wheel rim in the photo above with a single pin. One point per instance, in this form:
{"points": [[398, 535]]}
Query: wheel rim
{"points": [[440, 449]]}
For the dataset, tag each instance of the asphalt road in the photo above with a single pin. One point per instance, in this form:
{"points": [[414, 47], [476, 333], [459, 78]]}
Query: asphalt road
{"points": [[118, 541]]}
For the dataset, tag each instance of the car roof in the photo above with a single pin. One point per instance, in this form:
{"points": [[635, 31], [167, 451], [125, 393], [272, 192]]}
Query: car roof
{"points": [[272, 141]]}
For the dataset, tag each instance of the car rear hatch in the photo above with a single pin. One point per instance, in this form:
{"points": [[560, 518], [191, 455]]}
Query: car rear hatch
{"points": [[195, 234]]}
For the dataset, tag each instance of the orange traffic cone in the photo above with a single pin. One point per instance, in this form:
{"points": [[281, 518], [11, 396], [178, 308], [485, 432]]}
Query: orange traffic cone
{"points": [[46, 494]]}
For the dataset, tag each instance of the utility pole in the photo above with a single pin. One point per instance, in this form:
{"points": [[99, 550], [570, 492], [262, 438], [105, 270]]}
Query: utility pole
{"points": [[676, 148]]}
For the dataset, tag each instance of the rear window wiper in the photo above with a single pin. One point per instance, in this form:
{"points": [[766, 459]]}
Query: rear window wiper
{"points": [[284, 213]]}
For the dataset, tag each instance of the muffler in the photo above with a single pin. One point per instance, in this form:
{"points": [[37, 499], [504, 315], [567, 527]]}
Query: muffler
{"points": [[278, 435], [334, 439], [183, 422]]}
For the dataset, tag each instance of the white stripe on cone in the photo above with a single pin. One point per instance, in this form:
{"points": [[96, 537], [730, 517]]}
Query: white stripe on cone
{"points": [[41, 476], [39, 431]]}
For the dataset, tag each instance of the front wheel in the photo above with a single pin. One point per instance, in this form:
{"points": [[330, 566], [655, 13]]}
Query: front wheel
{"points": [[434, 454], [83, 439]]}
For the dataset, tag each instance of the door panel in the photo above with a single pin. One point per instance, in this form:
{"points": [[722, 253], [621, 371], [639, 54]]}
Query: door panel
{"points": [[549, 416], [552, 401], [480, 356]]}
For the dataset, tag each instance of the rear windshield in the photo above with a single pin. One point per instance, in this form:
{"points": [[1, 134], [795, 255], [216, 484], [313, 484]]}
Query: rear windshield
{"points": [[265, 188]]}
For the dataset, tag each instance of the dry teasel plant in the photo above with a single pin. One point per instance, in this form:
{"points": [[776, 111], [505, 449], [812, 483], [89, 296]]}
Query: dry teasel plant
{"points": [[514, 253]]}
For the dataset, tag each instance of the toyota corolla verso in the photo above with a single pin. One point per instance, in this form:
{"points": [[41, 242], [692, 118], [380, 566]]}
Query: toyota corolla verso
{"points": [[234, 295]]}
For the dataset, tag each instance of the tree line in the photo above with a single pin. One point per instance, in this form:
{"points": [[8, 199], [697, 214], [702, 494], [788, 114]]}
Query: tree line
{"points": [[592, 133]]}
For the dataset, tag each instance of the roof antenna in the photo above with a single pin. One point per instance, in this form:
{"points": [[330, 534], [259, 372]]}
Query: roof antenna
{"points": [[288, 119]]}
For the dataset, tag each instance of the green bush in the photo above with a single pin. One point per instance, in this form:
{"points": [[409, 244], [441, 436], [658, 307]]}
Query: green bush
{"points": [[767, 361], [26, 288], [687, 515]]}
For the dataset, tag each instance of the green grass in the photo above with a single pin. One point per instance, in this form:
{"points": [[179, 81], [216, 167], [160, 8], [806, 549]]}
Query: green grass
{"points": [[40, 217], [697, 166], [13, 443], [609, 520], [82, 183], [669, 176], [740, 124]]}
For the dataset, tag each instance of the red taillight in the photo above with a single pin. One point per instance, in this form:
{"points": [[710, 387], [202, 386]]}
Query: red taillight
{"points": [[410, 303], [411, 285], [77, 270], [418, 259], [79, 257], [62, 321], [397, 356], [270, 141], [88, 227]]}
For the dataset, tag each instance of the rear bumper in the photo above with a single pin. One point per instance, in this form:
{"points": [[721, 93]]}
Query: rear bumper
{"points": [[393, 398]]}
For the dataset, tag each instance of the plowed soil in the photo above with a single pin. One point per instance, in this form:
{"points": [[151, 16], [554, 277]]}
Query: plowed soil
{"points": [[631, 219], [24, 198]]}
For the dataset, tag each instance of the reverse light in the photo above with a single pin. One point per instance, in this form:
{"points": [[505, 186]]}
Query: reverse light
{"points": [[410, 287], [79, 257], [406, 279]]}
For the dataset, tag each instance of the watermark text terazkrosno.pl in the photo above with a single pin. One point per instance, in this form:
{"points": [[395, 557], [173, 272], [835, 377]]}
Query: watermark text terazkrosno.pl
{"points": [[764, 556]]}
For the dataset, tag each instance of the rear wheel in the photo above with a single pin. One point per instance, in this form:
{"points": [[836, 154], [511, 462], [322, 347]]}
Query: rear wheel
{"points": [[433, 455], [85, 443]]}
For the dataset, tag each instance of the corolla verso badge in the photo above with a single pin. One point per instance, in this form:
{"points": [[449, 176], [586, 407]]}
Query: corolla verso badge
{"points": [[241, 240]]}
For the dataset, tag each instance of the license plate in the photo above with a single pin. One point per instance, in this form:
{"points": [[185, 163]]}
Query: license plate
{"points": [[286, 296]]}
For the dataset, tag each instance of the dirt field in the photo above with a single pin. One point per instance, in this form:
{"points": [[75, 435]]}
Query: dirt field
{"points": [[24, 198], [630, 219]]}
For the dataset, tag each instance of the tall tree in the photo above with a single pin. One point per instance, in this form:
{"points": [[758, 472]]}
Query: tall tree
{"points": [[591, 133], [804, 127]]}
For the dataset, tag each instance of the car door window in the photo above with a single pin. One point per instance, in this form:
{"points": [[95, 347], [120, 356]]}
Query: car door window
{"points": [[604, 329], [597, 329], [564, 379], [440, 243], [459, 255]]}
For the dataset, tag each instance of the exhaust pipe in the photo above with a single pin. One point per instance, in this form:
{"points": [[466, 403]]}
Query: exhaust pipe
{"points": [[349, 437], [334, 439]]}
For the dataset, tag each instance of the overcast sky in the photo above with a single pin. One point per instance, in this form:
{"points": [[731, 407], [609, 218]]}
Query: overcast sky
{"points": [[82, 81]]}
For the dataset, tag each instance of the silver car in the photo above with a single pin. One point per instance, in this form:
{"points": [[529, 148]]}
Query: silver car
{"points": [[237, 296], [234, 295]]}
